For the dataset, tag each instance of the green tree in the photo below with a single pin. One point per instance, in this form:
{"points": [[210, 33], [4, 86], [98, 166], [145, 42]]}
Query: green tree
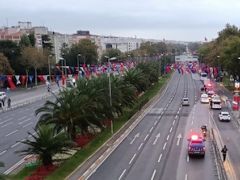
{"points": [[46, 144], [25, 41], [111, 53], [32, 39], [87, 50], [5, 67]]}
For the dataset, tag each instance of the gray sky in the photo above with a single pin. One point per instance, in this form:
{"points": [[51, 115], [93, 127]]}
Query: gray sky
{"points": [[188, 20]]}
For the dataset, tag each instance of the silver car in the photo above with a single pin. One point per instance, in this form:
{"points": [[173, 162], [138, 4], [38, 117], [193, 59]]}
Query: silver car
{"points": [[224, 116], [185, 102]]}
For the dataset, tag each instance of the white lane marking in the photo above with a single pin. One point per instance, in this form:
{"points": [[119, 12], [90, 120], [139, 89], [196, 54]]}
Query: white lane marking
{"points": [[6, 124], [178, 139], [21, 118], [160, 157], [27, 124], [153, 175], [167, 137], [164, 145], [155, 123], [151, 129], [178, 112], [1, 153], [187, 158], [156, 138], [176, 116], [192, 122], [136, 136], [11, 133], [132, 158], [146, 137], [186, 176], [14, 145], [173, 122], [170, 129], [120, 177], [140, 146], [24, 121]]}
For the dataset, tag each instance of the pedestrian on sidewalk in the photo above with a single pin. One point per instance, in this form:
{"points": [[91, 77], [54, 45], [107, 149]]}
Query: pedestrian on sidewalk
{"points": [[9, 103], [224, 152]]}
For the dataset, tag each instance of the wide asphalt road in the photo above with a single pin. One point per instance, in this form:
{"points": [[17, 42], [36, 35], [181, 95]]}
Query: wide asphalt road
{"points": [[14, 127], [157, 147]]}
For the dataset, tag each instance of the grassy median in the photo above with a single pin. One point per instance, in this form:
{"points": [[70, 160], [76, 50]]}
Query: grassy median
{"points": [[72, 163]]}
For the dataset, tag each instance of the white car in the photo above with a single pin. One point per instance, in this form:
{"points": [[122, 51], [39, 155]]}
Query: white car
{"points": [[204, 98], [185, 102], [224, 116], [3, 96]]}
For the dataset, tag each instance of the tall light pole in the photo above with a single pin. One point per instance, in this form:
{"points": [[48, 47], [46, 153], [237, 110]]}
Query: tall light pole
{"points": [[49, 68], [79, 55], [110, 89]]}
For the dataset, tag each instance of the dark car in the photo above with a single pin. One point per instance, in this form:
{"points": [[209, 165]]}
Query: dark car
{"points": [[196, 146]]}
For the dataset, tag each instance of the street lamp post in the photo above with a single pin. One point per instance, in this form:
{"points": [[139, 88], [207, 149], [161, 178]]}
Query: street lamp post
{"points": [[110, 89], [79, 55], [49, 68]]}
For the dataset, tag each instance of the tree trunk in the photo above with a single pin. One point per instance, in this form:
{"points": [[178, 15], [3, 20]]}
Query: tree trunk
{"points": [[35, 76], [47, 159], [27, 78]]}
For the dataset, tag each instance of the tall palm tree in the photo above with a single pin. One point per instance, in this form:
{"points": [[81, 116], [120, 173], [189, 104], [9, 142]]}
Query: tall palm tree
{"points": [[46, 144], [137, 79]]}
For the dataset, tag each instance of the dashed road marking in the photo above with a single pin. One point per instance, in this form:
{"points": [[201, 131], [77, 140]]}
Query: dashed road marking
{"points": [[1, 153], [120, 177], [140, 146], [27, 124], [146, 137], [153, 175], [173, 122], [132, 158], [160, 157], [14, 145], [186, 176], [11, 133], [6, 124], [167, 137], [187, 158], [164, 146], [151, 129], [155, 123], [170, 130]]}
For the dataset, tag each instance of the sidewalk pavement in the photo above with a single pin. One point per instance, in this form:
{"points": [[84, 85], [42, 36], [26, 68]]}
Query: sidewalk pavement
{"points": [[23, 97]]}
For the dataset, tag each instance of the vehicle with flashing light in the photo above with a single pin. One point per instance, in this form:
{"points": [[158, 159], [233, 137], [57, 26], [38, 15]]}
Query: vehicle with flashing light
{"points": [[204, 98], [224, 116], [196, 146], [215, 103]]}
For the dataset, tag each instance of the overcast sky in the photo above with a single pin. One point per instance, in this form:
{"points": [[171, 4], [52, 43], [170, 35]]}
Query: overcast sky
{"points": [[188, 20]]}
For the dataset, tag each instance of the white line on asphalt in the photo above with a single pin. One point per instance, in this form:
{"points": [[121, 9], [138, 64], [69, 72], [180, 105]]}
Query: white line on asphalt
{"points": [[14, 145], [132, 158], [27, 124], [11, 133], [167, 137], [151, 129], [178, 112], [153, 175], [6, 124], [1, 153], [155, 123], [173, 122], [176, 116], [186, 176], [120, 177], [21, 118], [24, 121], [146, 137], [160, 157], [140, 146], [164, 145], [192, 121], [187, 158], [170, 129]]}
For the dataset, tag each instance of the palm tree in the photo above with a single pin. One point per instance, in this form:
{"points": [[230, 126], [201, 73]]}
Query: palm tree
{"points": [[62, 113], [137, 79], [46, 144]]}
